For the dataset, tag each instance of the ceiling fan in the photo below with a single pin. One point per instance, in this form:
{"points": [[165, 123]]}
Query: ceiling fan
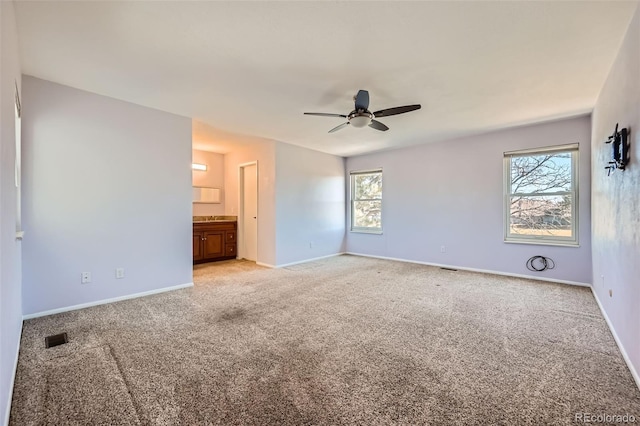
{"points": [[361, 116]]}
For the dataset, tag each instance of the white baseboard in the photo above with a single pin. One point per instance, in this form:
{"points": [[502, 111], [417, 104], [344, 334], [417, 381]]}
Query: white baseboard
{"points": [[284, 265], [484, 271], [13, 378], [626, 358], [105, 301]]}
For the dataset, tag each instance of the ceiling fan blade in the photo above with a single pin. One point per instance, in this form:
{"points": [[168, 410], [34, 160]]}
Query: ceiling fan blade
{"points": [[378, 125], [397, 110], [335, 129], [325, 114], [362, 99]]}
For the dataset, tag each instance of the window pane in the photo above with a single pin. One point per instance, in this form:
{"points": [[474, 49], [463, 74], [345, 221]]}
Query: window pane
{"points": [[367, 214], [368, 186], [542, 173], [541, 216]]}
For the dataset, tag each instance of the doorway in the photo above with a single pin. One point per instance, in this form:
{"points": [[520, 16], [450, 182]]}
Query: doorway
{"points": [[248, 211]]}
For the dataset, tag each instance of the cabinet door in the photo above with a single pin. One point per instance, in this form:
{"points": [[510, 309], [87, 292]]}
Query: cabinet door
{"points": [[197, 245], [230, 250], [213, 244], [231, 237]]}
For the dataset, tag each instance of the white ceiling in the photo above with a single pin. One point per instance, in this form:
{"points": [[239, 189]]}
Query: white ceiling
{"points": [[252, 68]]}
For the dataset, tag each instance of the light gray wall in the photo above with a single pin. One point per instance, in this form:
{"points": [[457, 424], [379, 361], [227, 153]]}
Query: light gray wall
{"points": [[10, 250], [616, 199], [310, 201], [451, 194], [107, 184]]}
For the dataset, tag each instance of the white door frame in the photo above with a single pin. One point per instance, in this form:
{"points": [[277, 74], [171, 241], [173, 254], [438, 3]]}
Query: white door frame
{"points": [[241, 218]]}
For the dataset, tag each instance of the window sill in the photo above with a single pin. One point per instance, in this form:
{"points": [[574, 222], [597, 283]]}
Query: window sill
{"points": [[365, 231], [571, 244]]}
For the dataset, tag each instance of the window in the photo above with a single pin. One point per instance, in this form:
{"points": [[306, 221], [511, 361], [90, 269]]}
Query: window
{"points": [[541, 195], [18, 171], [366, 201]]}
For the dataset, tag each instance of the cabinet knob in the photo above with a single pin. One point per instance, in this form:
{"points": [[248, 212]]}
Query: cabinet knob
{"points": [[231, 236]]}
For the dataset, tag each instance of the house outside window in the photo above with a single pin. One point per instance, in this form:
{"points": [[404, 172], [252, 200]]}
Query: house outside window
{"points": [[541, 195], [366, 201]]}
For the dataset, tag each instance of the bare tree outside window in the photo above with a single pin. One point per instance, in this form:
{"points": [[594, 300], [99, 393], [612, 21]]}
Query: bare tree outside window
{"points": [[541, 195], [366, 201]]}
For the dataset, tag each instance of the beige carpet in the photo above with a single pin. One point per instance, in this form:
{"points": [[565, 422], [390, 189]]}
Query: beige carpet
{"points": [[345, 340]]}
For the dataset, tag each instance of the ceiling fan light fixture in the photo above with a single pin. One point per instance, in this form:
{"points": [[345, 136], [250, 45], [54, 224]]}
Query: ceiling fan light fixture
{"points": [[360, 120]]}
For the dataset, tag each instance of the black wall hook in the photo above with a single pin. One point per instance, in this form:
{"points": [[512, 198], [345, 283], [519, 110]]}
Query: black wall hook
{"points": [[620, 145]]}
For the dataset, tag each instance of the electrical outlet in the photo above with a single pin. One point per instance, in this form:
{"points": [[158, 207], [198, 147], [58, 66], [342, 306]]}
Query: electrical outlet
{"points": [[119, 273], [310, 244], [85, 277], [443, 249]]}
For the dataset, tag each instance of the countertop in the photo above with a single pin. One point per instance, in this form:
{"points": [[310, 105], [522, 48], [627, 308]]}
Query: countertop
{"points": [[214, 219]]}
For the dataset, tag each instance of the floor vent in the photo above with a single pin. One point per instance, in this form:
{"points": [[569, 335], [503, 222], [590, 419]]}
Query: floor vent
{"points": [[448, 269], [56, 340]]}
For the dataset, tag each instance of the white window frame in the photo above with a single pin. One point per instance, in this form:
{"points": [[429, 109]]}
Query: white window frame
{"points": [[18, 162], [574, 193], [364, 229]]}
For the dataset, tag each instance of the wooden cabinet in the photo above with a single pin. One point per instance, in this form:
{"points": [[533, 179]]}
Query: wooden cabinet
{"points": [[198, 237], [213, 244], [215, 240]]}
